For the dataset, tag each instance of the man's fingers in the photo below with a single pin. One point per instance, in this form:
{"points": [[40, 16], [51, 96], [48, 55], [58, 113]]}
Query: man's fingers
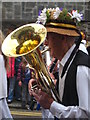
{"points": [[36, 96], [40, 92], [31, 82]]}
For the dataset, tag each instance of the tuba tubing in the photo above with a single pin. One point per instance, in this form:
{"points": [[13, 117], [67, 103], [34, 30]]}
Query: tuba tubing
{"points": [[45, 81], [45, 50]]}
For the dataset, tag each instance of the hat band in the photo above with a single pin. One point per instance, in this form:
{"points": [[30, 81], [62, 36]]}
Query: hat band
{"points": [[63, 25]]}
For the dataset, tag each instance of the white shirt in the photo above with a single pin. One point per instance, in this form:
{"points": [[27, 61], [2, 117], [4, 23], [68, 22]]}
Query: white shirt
{"points": [[83, 90], [3, 78]]}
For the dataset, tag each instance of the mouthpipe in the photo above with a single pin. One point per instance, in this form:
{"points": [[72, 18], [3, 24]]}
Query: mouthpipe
{"points": [[53, 65], [45, 50]]}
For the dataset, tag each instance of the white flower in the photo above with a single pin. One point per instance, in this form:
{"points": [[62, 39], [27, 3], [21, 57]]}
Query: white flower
{"points": [[42, 18], [51, 9], [70, 14], [56, 13], [44, 10], [53, 13], [76, 15]]}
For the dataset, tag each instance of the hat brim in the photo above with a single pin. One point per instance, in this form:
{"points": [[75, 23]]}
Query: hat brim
{"points": [[63, 31]]}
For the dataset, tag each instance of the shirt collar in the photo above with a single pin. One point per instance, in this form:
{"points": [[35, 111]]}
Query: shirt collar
{"points": [[67, 55], [82, 46]]}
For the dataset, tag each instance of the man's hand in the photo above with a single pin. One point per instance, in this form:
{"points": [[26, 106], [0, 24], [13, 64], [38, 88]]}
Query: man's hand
{"points": [[32, 82], [43, 98], [20, 83]]}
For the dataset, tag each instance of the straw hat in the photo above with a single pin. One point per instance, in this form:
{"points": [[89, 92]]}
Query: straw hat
{"points": [[60, 21]]}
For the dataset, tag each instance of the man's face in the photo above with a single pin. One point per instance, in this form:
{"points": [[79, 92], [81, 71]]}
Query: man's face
{"points": [[56, 45]]}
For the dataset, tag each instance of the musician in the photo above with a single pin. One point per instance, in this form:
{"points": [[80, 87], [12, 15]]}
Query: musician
{"points": [[65, 43], [4, 109]]}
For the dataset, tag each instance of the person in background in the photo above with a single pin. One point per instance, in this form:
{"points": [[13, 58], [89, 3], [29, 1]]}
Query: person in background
{"points": [[23, 76], [11, 73], [11, 78], [4, 109], [66, 44], [17, 87]]}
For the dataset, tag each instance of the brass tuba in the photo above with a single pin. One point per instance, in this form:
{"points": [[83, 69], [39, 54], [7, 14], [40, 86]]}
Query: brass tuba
{"points": [[25, 41]]}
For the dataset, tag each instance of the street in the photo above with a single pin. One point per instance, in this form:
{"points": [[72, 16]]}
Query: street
{"points": [[18, 113]]}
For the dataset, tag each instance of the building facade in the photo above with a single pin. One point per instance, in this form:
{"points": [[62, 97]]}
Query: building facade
{"points": [[15, 14]]}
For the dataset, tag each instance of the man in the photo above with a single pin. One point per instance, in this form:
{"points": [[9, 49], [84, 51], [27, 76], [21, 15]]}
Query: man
{"points": [[64, 41]]}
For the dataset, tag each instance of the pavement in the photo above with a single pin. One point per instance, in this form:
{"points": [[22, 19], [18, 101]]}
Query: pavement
{"points": [[15, 104], [17, 111]]}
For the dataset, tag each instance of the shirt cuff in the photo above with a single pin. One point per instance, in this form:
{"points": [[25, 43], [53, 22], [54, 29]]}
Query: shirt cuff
{"points": [[56, 108]]}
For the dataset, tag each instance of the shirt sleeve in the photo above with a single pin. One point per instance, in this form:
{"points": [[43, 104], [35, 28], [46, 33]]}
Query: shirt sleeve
{"points": [[83, 87], [83, 110], [60, 111]]}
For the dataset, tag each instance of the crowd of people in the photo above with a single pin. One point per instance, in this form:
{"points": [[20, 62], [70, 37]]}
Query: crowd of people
{"points": [[18, 75], [71, 76]]}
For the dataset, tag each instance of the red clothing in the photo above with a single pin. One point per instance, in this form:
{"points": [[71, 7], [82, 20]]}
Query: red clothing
{"points": [[11, 72]]}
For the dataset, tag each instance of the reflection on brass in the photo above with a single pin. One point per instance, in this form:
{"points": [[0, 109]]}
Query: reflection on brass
{"points": [[27, 46], [27, 38], [25, 41]]}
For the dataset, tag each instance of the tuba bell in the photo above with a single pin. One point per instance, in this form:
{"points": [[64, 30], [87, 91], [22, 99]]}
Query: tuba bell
{"points": [[25, 41]]}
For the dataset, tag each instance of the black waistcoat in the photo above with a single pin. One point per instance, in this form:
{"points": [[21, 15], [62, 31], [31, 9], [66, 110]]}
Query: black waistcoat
{"points": [[70, 96]]}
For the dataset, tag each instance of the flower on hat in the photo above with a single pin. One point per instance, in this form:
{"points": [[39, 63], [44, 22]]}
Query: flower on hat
{"points": [[76, 15], [59, 15], [43, 17], [56, 13]]}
